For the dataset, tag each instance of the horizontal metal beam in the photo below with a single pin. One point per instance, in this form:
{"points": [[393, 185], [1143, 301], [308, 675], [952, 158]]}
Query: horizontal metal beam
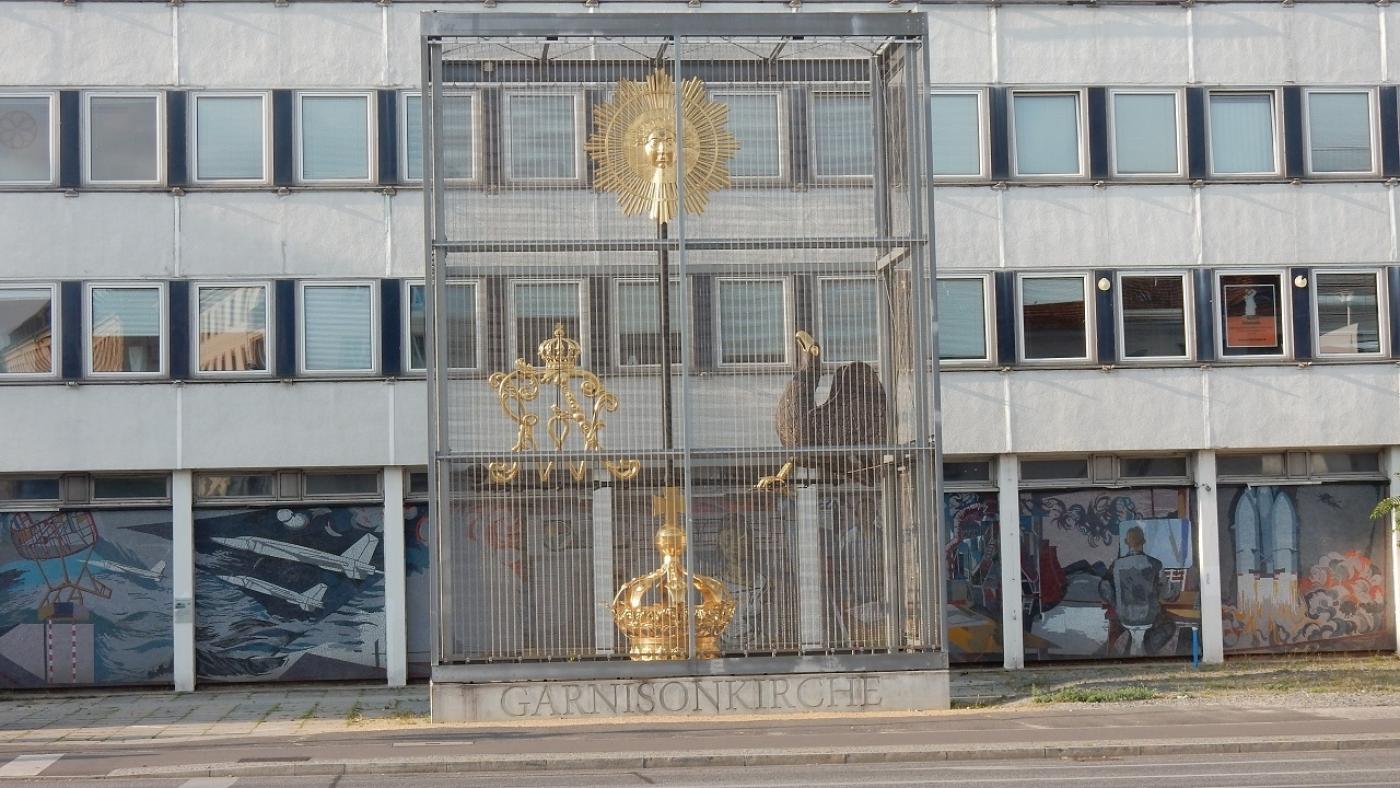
{"points": [[698, 453], [674, 244], [621, 668], [442, 24], [863, 265], [753, 71]]}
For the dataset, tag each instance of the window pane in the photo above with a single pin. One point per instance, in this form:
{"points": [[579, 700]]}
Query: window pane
{"points": [[541, 137], [1252, 315], [753, 120], [461, 326], [1144, 133], [125, 329], [334, 137], [1154, 316], [1345, 462], [24, 139], [976, 471], [1348, 313], [233, 485], [1047, 134], [456, 131], [128, 487], [539, 307], [1152, 467], [342, 483], [1242, 132], [1339, 132], [338, 327], [639, 332], [1053, 317], [843, 135], [122, 138], [962, 319], [1249, 465], [229, 139], [1054, 469], [44, 488], [232, 329], [953, 127], [849, 310], [751, 323], [26, 330]]}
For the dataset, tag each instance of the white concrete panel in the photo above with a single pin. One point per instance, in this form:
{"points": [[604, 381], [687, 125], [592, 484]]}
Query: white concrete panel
{"points": [[1087, 46], [1054, 226], [965, 227], [96, 235], [299, 45], [1340, 44], [960, 50], [406, 249], [1279, 223], [1262, 407], [277, 425], [1148, 226], [974, 412], [88, 428], [411, 422], [317, 233], [86, 44], [1090, 410], [1343, 223], [1271, 45]]}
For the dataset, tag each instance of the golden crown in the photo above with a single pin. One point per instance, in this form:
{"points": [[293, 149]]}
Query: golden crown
{"points": [[559, 351]]}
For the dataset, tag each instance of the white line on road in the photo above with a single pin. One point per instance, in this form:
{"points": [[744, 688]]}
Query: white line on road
{"points": [[1079, 778], [209, 782], [28, 765]]}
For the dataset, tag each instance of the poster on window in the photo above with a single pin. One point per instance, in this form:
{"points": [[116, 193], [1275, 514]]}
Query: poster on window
{"points": [[1251, 316]]}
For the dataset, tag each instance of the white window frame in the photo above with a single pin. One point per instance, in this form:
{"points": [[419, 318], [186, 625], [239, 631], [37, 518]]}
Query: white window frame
{"points": [[374, 334], [371, 124], [615, 336], [1382, 316], [821, 314], [580, 135], [55, 332], [984, 156], [477, 141], [1373, 106], [54, 140], [1082, 115], [1285, 308], [812, 98], [1187, 316], [164, 354], [1089, 320], [781, 133], [789, 318], [1181, 149], [270, 340], [266, 126], [584, 325], [160, 142], [988, 323], [478, 302], [1276, 113]]}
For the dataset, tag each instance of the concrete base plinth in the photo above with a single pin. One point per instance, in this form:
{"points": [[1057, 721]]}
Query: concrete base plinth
{"points": [[912, 690]]}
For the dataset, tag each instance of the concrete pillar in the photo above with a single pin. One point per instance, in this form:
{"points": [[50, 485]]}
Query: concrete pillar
{"points": [[809, 568], [1392, 455], [604, 633], [395, 579], [1009, 519], [1208, 559], [182, 577]]}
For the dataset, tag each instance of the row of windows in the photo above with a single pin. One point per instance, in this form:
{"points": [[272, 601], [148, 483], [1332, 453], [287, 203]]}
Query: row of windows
{"points": [[1059, 318]]}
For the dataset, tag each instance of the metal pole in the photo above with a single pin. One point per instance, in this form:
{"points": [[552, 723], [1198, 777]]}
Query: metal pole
{"points": [[431, 64], [680, 235], [663, 288]]}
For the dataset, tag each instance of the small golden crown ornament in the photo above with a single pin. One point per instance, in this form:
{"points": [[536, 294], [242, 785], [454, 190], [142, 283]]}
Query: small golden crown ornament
{"points": [[560, 351]]}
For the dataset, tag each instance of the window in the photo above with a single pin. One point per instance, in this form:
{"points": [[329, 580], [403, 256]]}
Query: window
{"points": [[1340, 132], [1054, 318], [462, 328], [338, 327], [458, 131], [1303, 466], [542, 137], [1344, 462], [849, 319], [334, 137], [28, 139], [29, 488], [755, 121], [125, 329], [1347, 306], [752, 324], [27, 341], [1055, 469], [967, 472], [233, 485], [955, 124], [540, 306], [962, 319], [230, 138], [1152, 467], [638, 329], [1152, 316], [1047, 139], [341, 483], [1145, 133], [1251, 315], [1249, 465], [117, 487], [1242, 134], [843, 139], [231, 328], [123, 136]]}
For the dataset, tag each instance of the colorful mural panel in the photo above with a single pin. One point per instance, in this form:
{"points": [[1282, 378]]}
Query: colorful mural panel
{"points": [[292, 594], [85, 598], [417, 592], [972, 558], [1304, 568]]}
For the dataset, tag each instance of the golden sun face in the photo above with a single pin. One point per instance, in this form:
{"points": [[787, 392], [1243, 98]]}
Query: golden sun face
{"points": [[635, 146]]}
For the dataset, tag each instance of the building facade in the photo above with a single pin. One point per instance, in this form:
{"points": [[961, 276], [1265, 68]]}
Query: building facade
{"points": [[1167, 255]]}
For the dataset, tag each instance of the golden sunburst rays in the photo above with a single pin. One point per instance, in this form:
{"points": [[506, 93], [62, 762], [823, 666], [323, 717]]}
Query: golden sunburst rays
{"points": [[634, 144]]}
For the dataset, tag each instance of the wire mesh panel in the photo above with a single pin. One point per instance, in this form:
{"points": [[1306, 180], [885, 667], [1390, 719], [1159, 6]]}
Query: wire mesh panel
{"points": [[683, 394]]}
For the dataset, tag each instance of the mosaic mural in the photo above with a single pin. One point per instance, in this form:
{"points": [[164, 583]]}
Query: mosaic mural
{"points": [[972, 558]]}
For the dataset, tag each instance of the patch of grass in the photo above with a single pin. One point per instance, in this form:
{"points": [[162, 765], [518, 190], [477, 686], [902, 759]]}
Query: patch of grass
{"points": [[273, 709], [310, 713], [355, 715], [406, 717], [1094, 694]]}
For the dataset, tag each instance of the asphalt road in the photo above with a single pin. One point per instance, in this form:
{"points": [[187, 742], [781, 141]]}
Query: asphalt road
{"points": [[1355, 769]]}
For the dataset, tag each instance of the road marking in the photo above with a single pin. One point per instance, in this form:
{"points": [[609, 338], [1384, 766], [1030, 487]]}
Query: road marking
{"points": [[209, 782], [28, 765], [1080, 778]]}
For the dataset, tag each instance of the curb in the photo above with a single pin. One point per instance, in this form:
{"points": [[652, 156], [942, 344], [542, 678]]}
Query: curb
{"points": [[635, 761]]}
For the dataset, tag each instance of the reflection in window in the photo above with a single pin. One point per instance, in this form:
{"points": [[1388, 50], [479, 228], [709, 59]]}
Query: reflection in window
{"points": [[28, 488], [461, 327], [1154, 316], [962, 319], [233, 329], [1053, 317], [1251, 313], [233, 485], [334, 138], [125, 330], [128, 487], [1039, 470], [541, 137], [752, 322], [843, 135], [1339, 132], [753, 120], [849, 310], [1249, 465], [639, 335], [1152, 467], [1047, 133], [954, 124], [26, 331], [123, 139], [338, 328], [1242, 133], [342, 483], [539, 307], [1144, 134], [1348, 314], [25, 139], [457, 131], [229, 138]]}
